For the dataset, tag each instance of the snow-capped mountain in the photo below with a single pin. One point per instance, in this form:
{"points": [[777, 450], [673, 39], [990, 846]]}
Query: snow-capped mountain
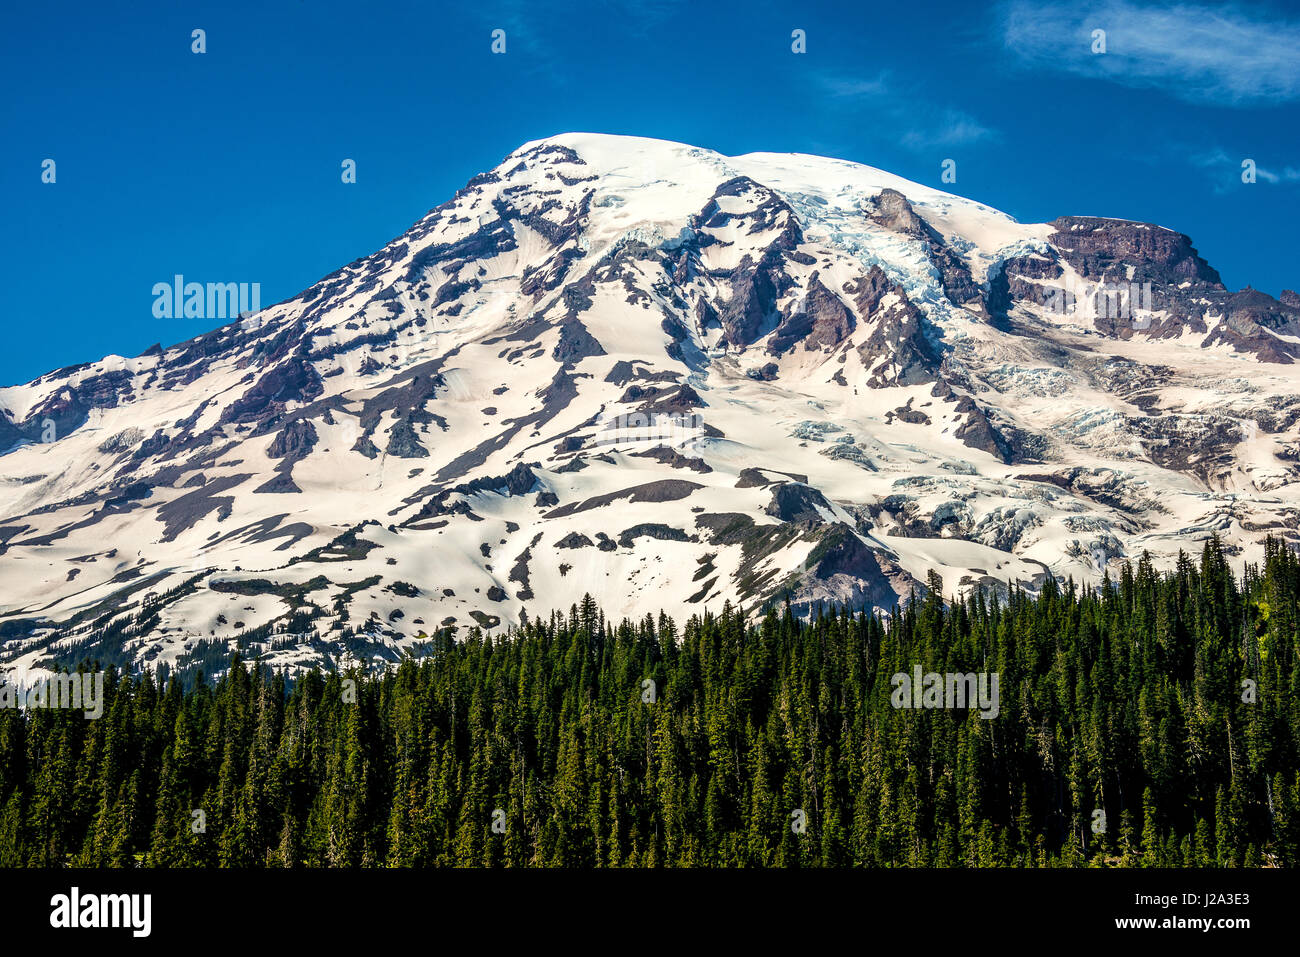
{"points": [[661, 376]]}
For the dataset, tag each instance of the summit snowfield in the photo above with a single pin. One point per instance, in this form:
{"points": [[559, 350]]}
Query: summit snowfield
{"points": [[661, 376]]}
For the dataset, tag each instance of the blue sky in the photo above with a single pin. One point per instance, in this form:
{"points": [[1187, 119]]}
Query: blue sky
{"points": [[225, 166]]}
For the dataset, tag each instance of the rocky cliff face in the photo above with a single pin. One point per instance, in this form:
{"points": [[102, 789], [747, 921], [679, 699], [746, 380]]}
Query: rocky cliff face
{"points": [[1137, 279], [660, 376]]}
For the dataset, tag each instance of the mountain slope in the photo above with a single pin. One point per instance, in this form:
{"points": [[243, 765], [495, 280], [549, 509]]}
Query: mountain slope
{"points": [[661, 376]]}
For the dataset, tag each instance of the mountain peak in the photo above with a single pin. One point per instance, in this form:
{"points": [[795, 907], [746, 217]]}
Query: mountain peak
{"points": [[662, 376]]}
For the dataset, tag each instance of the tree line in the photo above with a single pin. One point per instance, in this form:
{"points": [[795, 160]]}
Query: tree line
{"points": [[1153, 720]]}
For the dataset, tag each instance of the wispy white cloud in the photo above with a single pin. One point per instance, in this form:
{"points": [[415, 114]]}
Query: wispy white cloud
{"points": [[855, 87], [1288, 174], [913, 119], [949, 128], [1225, 55], [1225, 170]]}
